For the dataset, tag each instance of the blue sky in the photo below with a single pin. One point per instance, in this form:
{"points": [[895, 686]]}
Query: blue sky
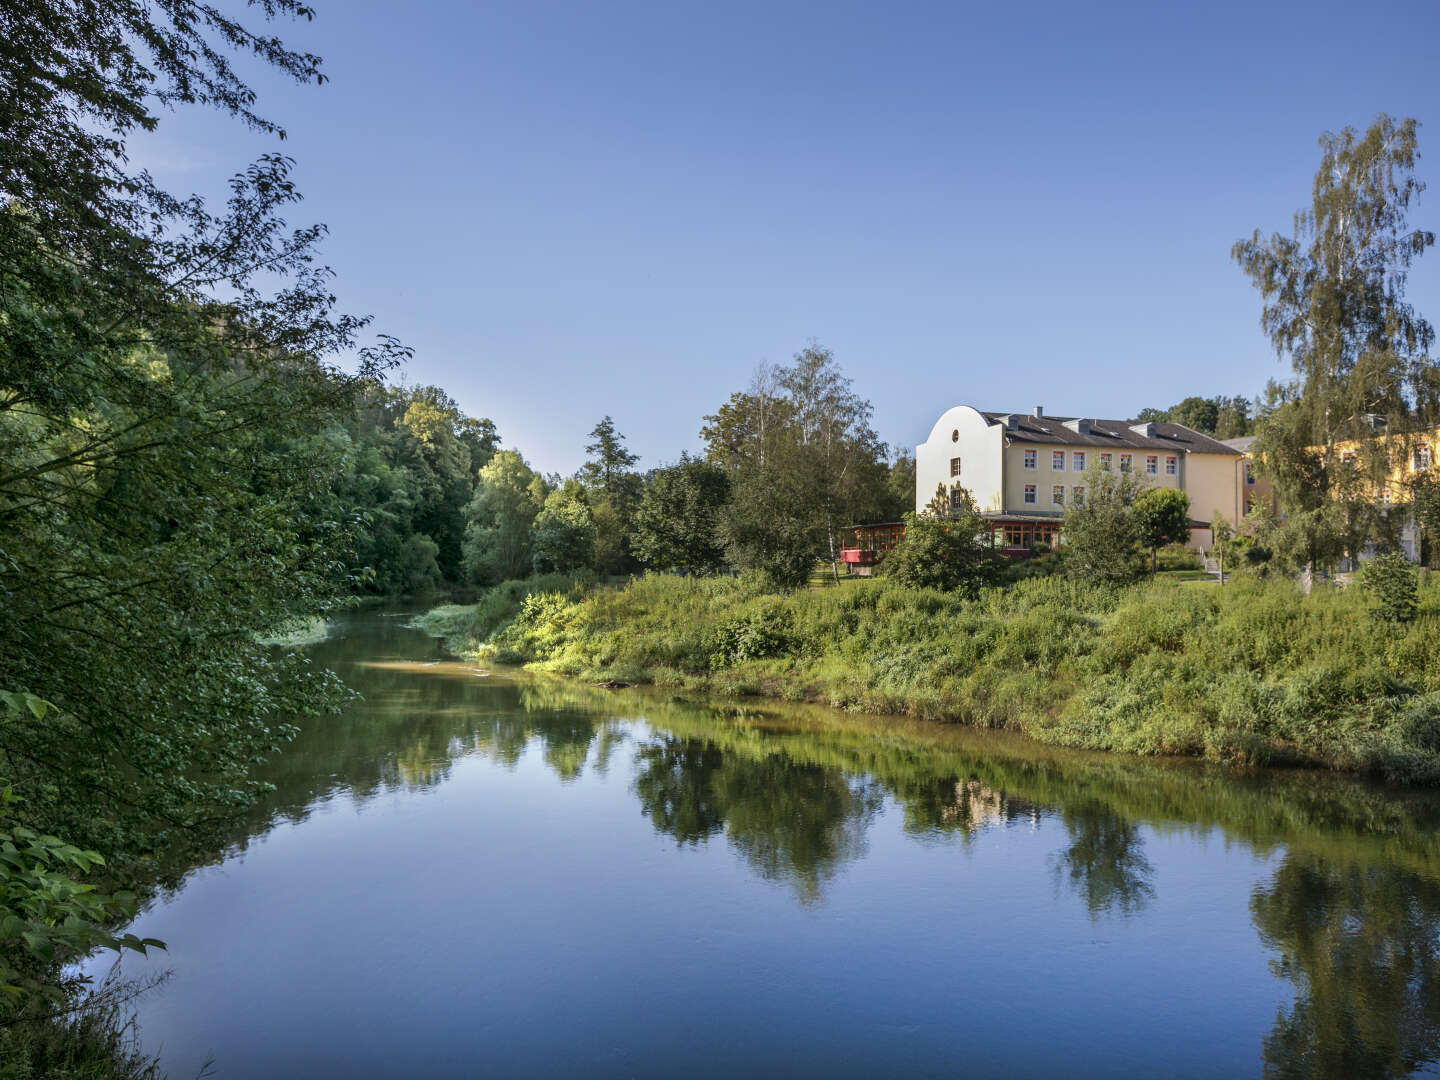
{"points": [[570, 210]]}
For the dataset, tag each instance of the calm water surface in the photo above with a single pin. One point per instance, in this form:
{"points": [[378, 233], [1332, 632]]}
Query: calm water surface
{"points": [[473, 874]]}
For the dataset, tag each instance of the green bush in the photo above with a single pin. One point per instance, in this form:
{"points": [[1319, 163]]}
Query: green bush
{"points": [[1391, 583]]}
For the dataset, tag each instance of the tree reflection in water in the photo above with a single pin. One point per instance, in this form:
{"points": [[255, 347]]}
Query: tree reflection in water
{"points": [[792, 822], [1105, 862], [1362, 945]]}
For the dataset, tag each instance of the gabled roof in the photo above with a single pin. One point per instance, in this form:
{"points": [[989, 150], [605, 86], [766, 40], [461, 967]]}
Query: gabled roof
{"points": [[1109, 433]]}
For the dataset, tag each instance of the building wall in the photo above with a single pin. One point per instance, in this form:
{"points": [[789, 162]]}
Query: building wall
{"points": [[961, 433], [1046, 477], [1213, 483]]}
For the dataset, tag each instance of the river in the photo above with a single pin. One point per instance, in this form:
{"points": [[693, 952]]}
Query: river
{"points": [[486, 873]]}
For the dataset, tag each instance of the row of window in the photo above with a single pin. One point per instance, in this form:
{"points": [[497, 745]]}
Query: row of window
{"points": [[1419, 459], [1057, 495], [1078, 462]]}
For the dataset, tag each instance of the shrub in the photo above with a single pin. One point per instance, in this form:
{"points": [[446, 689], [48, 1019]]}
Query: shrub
{"points": [[1391, 583]]}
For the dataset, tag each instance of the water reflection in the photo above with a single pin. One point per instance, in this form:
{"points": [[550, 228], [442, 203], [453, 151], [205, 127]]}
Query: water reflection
{"points": [[1105, 863], [1351, 910], [792, 821], [1362, 945]]}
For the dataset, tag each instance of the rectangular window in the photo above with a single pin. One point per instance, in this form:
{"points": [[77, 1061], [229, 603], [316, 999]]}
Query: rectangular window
{"points": [[1152, 465], [1422, 457], [1030, 494], [1124, 462], [1172, 465], [1030, 459], [1105, 462], [1057, 460], [1347, 456], [1384, 496], [1249, 504], [1077, 494], [1249, 475], [1079, 461], [957, 497], [1057, 495], [954, 466]]}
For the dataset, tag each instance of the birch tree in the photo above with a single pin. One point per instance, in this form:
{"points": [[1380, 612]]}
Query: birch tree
{"points": [[1335, 307]]}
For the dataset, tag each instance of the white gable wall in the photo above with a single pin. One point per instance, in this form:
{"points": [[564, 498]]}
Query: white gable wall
{"points": [[980, 445]]}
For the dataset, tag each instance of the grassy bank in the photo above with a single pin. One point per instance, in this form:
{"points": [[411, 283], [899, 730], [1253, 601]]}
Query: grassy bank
{"points": [[1253, 672]]}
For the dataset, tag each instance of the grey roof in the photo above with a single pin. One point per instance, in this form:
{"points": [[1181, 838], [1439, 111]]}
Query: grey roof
{"points": [[1110, 433]]}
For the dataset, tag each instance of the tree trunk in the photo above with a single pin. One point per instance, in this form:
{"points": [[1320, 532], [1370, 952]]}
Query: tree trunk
{"points": [[834, 560]]}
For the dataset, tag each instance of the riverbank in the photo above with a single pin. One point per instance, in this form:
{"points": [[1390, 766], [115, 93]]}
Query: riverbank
{"points": [[1254, 672]]}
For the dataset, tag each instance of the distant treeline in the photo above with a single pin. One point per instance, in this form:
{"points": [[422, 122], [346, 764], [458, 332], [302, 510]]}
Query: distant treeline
{"points": [[788, 464]]}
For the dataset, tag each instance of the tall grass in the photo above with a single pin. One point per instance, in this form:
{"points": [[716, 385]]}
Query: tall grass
{"points": [[1252, 672]]}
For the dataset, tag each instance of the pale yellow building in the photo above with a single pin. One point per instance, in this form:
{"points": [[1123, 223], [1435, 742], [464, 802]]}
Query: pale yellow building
{"points": [[1024, 469], [1409, 457]]}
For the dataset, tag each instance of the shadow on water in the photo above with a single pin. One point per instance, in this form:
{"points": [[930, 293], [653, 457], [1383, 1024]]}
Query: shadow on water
{"points": [[1351, 912]]}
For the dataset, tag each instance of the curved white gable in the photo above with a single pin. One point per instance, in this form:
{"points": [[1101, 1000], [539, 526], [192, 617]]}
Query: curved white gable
{"points": [[962, 432]]}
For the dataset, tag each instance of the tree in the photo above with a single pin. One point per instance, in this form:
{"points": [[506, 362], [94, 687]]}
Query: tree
{"points": [[769, 525], [499, 519], [1099, 534], [899, 497], [803, 461], [1220, 416], [1335, 305], [613, 491], [1425, 500], [564, 534], [609, 462], [677, 524], [945, 547], [1161, 516]]}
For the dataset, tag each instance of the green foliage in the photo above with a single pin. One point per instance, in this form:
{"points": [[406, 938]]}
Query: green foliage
{"points": [[1219, 416], [563, 538], [753, 635], [613, 491], [1335, 306], [1160, 516], [1391, 583], [1425, 501], [499, 518], [1254, 672], [947, 552], [608, 467], [804, 463], [677, 524], [1101, 537]]}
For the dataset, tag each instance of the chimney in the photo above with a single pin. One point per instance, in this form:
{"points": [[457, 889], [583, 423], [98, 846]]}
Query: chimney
{"points": [[1039, 412]]}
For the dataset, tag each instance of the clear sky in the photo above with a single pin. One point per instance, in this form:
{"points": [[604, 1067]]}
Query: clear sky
{"points": [[570, 210]]}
